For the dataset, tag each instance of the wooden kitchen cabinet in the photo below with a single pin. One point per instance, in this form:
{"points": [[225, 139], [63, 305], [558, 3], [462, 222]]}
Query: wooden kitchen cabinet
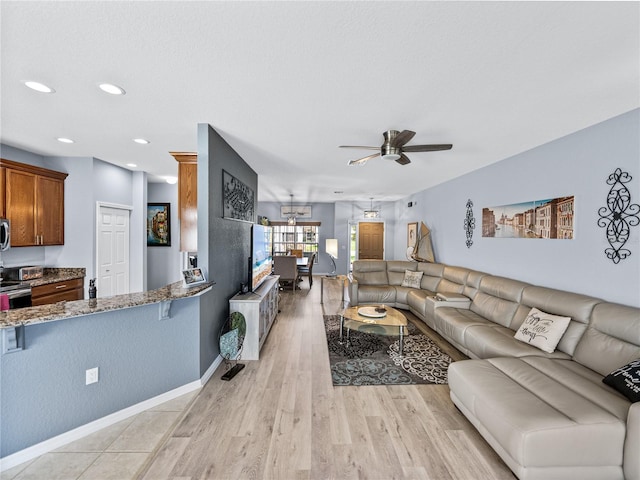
{"points": [[33, 201], [2, 196], [187, 199], [58, 291]]}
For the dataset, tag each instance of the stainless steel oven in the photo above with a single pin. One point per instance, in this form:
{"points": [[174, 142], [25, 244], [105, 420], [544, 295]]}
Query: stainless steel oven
{"points": [[18, 294]]}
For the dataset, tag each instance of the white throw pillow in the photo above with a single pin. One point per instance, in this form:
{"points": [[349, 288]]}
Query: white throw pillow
{"points": [[412, 279], [542, 330]]}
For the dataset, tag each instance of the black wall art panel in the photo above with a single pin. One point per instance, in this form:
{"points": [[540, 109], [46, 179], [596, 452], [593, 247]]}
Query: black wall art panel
{"points": [[618, 216]]}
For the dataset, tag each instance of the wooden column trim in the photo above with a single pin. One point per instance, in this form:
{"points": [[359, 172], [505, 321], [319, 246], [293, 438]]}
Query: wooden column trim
{"points": [[185, 157]]}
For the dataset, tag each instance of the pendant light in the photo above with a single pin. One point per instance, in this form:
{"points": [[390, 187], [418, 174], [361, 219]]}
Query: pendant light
{"points": [[292, 216], [371, 213]]}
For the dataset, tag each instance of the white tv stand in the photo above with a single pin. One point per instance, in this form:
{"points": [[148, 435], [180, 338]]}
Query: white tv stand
{"points": [[259, 309]]}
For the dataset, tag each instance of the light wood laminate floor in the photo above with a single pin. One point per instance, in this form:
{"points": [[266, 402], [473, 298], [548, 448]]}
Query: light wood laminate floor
{"points": [[281, 418]]}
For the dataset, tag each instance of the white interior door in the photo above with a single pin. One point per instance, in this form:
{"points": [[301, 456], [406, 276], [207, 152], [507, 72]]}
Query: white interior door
{"points": [[112, 251]]}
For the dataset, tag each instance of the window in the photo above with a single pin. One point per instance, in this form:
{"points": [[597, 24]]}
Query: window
{"points": [[303, 236]]}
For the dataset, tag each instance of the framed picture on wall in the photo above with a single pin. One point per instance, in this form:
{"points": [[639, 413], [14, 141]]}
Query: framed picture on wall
{"points": [[412, 234], [158, 224]]}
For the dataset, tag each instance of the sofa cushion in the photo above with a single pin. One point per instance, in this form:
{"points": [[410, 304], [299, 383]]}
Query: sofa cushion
{"points": [[402, 294], [542, 330], [493, 340], [417, 301], [396, 271], [370, 272], [472, 284], [626, 380], [411, 279], [453, 279], [376, 294], [497, 299], [452, 322], [611, 340], [535, 408], [558, 302], [432, 275]]}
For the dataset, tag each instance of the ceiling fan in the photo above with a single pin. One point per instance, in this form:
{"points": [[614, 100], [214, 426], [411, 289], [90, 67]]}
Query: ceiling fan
{"points": [[394, 147]]}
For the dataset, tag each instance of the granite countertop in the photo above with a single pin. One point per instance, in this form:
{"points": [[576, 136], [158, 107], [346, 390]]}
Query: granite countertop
{"points": [[77, 308], [52, 275]]}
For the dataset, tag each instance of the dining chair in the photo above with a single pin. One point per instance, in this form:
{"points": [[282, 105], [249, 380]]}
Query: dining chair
{"points": [[286, 267], [308, 270], [296, 253]]}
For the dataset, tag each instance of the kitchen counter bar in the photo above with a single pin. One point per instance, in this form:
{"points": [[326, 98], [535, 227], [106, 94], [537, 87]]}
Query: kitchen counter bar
{"points": [[64, 310]]}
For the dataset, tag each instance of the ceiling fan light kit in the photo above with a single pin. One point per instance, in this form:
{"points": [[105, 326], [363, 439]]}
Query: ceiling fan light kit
{"points": [[394, 147]]}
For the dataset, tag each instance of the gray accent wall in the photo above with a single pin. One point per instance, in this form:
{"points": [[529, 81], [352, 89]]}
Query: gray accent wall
{"points": [[224, 245], [578, 164]]}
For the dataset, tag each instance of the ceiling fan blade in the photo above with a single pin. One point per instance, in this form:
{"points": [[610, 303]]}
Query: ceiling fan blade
{"points": [[363, 160], [403, 160], [401, 138], [427, 148], [359, 146]]}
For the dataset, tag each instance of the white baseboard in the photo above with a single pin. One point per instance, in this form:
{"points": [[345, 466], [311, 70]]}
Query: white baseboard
{"points": [[209, 373], [63, 439]]}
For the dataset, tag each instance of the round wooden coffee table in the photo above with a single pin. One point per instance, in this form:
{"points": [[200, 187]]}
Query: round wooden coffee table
{"points": [[371, 319]]}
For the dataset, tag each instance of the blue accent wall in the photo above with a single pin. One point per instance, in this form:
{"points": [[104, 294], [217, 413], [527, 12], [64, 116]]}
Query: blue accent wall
{"points": [[163, 263], [139, 356]]}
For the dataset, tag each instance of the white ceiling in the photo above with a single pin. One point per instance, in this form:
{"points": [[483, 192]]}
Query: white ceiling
{"points": [[285, 83]]}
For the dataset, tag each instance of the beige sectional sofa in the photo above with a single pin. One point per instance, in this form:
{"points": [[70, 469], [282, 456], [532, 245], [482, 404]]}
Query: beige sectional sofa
{"points": [[548, 415]]}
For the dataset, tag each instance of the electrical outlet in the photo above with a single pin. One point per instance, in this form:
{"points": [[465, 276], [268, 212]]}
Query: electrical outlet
{"points": [[91, 376]]}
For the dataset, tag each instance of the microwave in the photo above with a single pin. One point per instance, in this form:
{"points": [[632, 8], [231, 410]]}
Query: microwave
{"points": [[5, 234]]}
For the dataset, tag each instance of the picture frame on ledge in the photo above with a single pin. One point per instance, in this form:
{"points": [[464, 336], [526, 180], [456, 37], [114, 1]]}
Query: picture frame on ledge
{"points": [[192, 277]]}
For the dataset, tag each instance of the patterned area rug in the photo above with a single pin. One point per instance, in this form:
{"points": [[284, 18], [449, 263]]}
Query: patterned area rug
{"points": [[374, 359]]}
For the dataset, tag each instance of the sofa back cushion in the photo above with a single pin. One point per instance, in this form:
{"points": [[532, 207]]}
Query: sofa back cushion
{"points": [[498, 299], [396, 269], [611, 340], [558, 302], [371, 272], [432, 274], [453, 279], [473, 284]]}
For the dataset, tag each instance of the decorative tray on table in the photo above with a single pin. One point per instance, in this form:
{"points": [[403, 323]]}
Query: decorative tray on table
{"points": [[372, 312]]}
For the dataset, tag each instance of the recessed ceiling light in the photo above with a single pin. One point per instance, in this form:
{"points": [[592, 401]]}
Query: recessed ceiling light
{"points": [[171, 180], [39, 87], [65, 140], [132, 165], [141, 141], [112, 89]]}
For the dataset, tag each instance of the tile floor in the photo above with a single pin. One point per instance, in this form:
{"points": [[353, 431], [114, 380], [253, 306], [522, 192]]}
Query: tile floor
{"points": [[117, 452]]}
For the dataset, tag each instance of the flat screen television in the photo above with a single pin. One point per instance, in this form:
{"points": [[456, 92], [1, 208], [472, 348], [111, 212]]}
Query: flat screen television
{"points": [[261, 254]]}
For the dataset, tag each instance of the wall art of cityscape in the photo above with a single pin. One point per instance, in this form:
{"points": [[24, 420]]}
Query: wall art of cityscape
{"points": [[551, 218]]}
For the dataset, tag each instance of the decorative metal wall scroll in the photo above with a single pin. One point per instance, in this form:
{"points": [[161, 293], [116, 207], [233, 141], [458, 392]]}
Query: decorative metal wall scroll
{"points": [[237, 199], [469, 223], [618, 216]]}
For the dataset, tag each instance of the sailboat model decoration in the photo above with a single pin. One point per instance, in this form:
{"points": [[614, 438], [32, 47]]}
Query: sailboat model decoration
{"points": [[423, 249]]}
